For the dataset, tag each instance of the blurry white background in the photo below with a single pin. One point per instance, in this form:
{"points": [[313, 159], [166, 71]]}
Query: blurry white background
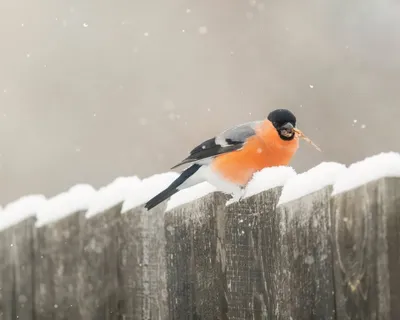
{"points": [[92, 90]]}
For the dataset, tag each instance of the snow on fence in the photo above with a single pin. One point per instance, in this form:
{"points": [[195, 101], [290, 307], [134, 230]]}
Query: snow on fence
{"points": [[323, 244]]}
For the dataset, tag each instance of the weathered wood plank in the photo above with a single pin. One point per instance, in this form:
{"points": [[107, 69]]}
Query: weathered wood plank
{"points": [[248, 254], [142, 268], [306, 281], [209, 258], [7, 296], [99, 283], [366, 241], [58, 256], [195, 264], [23, 255], [17, 271], [180, 279]]}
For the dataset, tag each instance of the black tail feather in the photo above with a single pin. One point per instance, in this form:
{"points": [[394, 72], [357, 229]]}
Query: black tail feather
{"points": [[163, 195], [172, 188]]}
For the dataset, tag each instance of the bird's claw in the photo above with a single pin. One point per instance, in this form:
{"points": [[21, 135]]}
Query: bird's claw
{"points": [[242, 194]]}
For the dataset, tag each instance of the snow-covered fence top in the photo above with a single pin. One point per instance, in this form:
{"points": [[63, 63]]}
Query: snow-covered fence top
{"points": [[323, 244]]}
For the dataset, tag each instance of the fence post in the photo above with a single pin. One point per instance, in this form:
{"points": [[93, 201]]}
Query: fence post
{"points": [[251, 229], [305, 287], [17, 271], [366, 242], [142, 268], [56, 268], [99, 284], [7, 299], [195, 259]]}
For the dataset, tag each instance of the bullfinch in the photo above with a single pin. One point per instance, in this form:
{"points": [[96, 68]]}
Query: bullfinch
{"points": [[229, 160]]}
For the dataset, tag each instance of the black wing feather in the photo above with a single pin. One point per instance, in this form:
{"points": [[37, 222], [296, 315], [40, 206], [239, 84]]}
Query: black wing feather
{"points": [[231, 140], [208, 144], [210, 149]]}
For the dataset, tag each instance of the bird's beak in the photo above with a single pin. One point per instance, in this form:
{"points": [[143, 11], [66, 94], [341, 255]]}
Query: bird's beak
{"points": [[303, 136], [287, 126], [286, 130]]}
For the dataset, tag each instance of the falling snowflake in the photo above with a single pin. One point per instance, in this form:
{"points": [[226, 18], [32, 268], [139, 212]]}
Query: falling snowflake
{"points": [[203, 30]]}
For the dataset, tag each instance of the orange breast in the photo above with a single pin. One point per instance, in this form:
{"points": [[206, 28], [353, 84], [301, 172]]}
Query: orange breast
{"points": [[265, 149]]}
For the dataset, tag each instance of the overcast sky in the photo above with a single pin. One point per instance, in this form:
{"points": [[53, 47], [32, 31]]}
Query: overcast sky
{"points": [[93, 90]]}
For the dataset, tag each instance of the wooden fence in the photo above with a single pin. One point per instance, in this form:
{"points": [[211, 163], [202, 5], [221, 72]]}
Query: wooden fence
{"points": [[318, 257]]}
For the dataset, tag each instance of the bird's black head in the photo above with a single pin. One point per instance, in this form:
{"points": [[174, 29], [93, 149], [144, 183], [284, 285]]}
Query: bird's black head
{"points": [[284, 121]]}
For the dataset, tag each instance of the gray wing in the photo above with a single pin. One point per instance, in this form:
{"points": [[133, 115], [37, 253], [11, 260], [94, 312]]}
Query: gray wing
{"points": [[229, 140]]}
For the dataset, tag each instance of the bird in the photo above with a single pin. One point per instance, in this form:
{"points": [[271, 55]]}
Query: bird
{"points": [[229, 160]]}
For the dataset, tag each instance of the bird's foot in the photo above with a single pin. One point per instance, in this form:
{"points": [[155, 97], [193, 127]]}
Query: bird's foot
{"points": [[242, 194]]}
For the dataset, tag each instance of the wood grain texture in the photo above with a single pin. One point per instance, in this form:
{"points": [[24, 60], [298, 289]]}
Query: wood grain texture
{"points": [[306, 281], [17, 271], [179, 260], [7, 307], [99, 280], [195, 263], [142, 264], [250, 260], [366, 239], [249, 275], [58, 248]]}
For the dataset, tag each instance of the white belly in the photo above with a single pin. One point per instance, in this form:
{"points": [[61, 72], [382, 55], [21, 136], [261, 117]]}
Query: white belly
{"points": [[205, 173]]}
